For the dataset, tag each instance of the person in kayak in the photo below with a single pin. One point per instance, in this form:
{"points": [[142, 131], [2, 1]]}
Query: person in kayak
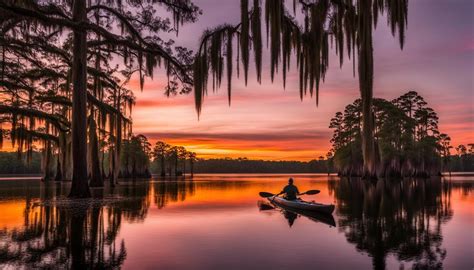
{"points": [[291, 191]]}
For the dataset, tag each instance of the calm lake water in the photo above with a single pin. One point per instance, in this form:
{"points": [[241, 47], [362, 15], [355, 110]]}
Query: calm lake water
{"points": [[215, 222]]}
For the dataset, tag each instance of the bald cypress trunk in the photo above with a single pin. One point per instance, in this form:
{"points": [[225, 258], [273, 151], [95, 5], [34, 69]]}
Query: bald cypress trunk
{"points": [[176, 165], [184, 167], [96, 176], [47, 162], [163, 169], [59, 174], [366, 83], [79, 187]]}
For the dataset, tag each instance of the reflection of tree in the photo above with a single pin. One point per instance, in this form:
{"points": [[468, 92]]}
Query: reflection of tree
{"points": [[167, 191], [135, 203], [73, 234], [400, 218], [172, 191]]}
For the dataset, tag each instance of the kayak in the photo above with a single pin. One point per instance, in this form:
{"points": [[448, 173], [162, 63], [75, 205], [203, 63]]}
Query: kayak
{"points": [[302, 205], [312, 215]]}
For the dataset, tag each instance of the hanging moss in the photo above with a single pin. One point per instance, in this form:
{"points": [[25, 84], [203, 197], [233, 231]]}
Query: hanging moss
{"points": [[324, 21], [257, 38], [244, 36], [230, 34]]}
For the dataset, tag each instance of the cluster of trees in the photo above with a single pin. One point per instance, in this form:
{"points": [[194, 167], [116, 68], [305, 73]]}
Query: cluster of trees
{"points": [[406, 134], [135, 158], [62, 83], [462, 161], [171, 160], [244, 165]]}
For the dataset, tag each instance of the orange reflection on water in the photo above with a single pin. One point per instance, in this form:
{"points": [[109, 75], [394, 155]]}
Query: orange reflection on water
{"points": [[12, 214], [226, 190]]}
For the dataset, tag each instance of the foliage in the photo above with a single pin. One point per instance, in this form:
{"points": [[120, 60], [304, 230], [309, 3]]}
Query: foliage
{"points": [[325, 22], [135, 157], [406, 134], [244, 165], [167, 157], [63, 56]]}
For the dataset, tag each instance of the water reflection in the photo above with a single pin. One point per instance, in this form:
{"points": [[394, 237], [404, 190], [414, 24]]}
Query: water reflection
{"points": [[79, 234], [64, 235], [402, 218], [172, 191], [379, 225]]}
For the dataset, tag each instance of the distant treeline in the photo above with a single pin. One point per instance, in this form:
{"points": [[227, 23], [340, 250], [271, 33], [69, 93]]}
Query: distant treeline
{"points": [[243, 165], [12, 163]]}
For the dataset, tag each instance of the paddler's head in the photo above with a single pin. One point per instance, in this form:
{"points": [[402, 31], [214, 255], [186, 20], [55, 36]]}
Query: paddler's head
{"points": [[290, 181]]}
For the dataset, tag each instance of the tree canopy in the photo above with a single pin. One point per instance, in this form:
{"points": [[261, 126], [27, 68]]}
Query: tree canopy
{"points": [[406, 133], [64, 71]]}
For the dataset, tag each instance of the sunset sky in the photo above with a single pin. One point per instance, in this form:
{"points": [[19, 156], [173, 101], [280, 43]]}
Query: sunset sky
{"points": [[268, 122]]}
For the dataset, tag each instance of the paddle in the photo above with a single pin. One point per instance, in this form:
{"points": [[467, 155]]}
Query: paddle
{"points": [[264, 194], [311, 192], [264, 206]]}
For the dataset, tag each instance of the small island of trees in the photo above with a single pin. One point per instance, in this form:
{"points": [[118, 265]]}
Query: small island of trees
{"points": [[407, 138]]}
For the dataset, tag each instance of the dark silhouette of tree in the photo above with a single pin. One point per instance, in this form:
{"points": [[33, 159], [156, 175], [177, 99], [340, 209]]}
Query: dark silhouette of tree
{"points": [[348, 24], [96, 173], [445, 144], [244, 165], [135, 158], [182, 156], [86, 29], [406, 134], [192, 157], [464, 158], [159, 153]]}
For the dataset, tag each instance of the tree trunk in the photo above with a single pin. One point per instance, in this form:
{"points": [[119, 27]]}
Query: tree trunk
{"points": [[102, 165], [176, 166], [366, 71], [96, 176], [114, 153], [118, 144], [184, 167], [47, 162], [59, 174], [163, 171], [79, 187], [112, 166], [66, 156], [192, 169]]}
